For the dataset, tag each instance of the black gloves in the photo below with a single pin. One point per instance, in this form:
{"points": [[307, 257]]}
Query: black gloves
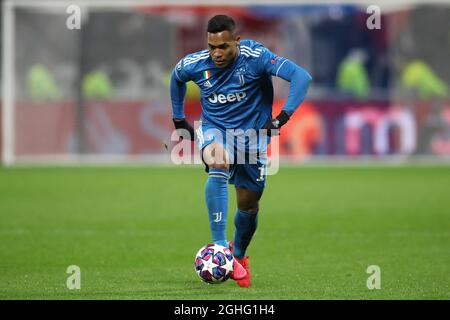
{"points": [[184, 129], [277, 123]]}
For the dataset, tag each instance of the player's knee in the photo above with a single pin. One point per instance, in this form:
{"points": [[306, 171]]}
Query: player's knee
{"points": [[215, 156], [219, 166], [249, 206]]}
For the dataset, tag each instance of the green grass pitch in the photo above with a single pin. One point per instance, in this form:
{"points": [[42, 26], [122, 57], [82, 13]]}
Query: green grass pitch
{"points": [[134, 231]]}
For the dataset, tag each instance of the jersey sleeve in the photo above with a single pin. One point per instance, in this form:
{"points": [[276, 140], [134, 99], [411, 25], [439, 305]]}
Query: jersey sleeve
{"points": [[270, 63], [180, 75], [182, 72], [289, 71]]}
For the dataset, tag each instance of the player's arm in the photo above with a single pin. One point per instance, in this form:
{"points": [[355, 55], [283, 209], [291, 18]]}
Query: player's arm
{"points": [[178, 81], [299, 80]]}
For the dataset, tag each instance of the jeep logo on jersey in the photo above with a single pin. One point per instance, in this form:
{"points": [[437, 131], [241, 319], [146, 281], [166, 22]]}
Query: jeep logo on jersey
{"points": [[231, 97]]}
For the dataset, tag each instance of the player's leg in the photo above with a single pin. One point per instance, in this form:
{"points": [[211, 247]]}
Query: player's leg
{"points": [[245, 219], [216, 158], [249, 180]]}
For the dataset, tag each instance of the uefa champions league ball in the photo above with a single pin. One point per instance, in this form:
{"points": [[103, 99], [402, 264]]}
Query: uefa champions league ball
{"points": [[214, 263]]}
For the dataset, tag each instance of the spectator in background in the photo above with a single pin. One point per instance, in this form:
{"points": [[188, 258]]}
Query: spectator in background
{"points": [[41, 85], [425, 94], [419, 76], [352, 76], [97, 86]]}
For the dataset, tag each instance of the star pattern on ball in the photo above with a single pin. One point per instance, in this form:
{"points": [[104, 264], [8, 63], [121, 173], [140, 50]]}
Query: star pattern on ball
{"points": [[208, 265], [228, 265]]}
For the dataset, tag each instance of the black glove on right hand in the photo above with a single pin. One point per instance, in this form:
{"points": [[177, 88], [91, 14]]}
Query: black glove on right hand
{"points": [[276, 123], [184, 129]]}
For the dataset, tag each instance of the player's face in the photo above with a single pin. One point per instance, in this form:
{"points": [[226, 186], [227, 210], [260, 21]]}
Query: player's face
{"points": [[223, 47]]}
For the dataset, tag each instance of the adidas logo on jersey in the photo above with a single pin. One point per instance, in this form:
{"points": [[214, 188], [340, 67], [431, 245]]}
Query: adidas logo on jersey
{"points": [[231, 97]]}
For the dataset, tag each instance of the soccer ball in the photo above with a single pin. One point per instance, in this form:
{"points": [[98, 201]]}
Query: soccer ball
{"points": [[214, 263]]}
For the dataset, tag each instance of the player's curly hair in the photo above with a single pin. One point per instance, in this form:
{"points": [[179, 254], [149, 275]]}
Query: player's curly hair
{"points": [[221, 23]]}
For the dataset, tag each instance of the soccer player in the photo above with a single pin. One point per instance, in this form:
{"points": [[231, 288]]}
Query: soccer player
{"points": [[235, 79]]}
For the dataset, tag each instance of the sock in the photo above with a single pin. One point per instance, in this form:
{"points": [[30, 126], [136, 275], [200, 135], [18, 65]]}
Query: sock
{"points": [[216, 195], [245, 224]]}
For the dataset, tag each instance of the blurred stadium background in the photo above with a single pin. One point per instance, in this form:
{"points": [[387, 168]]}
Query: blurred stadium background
{"points": [[99, 95], [101, 92]]}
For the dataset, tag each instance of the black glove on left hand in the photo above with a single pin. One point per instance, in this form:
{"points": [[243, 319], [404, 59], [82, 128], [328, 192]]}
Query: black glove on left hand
{"points": [[181, 125], [277, 123]]}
